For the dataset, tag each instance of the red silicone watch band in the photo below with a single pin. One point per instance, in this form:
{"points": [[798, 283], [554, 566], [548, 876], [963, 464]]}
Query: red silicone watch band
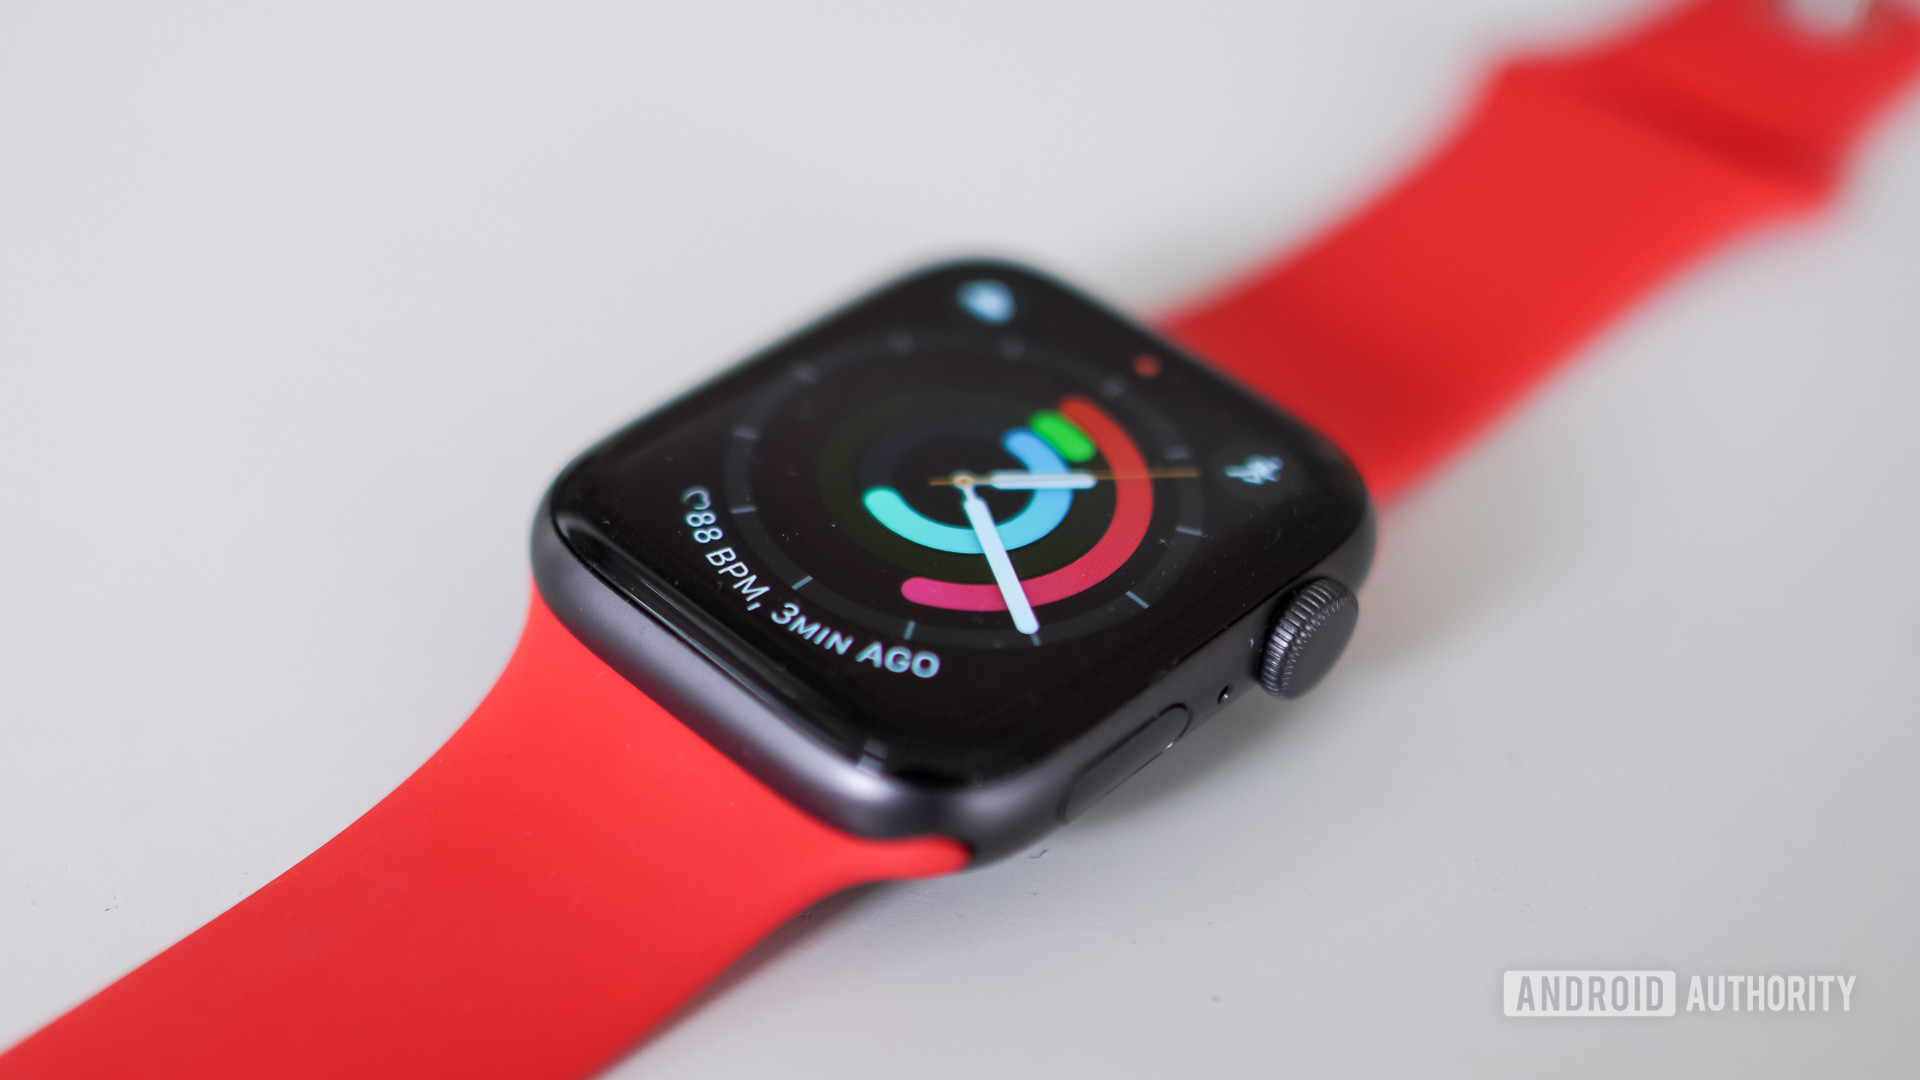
{"points": [[575, 862], [564, 872], [1576, 185]]}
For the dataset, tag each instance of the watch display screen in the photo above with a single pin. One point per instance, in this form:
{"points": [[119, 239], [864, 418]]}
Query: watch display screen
{"points": [[950, 528]]}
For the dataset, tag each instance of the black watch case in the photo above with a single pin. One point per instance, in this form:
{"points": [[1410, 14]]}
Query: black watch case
{"points": [[828, 470]]}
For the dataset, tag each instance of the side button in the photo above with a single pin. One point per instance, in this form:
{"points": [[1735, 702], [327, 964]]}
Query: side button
{"points": [[1124, 760]]}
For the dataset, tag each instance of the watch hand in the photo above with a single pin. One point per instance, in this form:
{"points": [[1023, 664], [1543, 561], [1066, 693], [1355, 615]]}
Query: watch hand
{"points": [[1021, 480], [1017, 480], [981, 518]]}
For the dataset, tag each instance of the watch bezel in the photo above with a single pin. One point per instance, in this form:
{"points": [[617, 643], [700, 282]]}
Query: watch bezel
{"points": [[747, 706]]}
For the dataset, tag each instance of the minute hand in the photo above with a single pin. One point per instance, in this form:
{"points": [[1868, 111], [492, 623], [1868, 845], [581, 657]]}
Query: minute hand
{"points": [[981, 518]]}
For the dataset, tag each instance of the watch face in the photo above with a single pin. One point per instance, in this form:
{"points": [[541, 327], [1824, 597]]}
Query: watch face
{"points": [[951, 528]]}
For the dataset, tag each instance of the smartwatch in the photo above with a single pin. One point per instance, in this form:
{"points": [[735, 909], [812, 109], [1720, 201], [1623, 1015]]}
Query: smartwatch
{"points": [[925, 580]]}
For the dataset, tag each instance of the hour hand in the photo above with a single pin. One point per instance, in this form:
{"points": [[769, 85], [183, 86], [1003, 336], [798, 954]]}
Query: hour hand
{"points": [[1021, 480]]}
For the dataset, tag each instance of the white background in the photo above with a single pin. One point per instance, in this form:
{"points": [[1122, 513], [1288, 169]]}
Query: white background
{"points": [[301, 306]]}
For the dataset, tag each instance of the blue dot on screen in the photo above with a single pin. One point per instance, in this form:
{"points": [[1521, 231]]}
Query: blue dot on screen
{"points": [[987, 300]]}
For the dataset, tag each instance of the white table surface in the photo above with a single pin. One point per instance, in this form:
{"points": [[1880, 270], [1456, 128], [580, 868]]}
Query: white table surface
{"points": [[300, 307]]}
